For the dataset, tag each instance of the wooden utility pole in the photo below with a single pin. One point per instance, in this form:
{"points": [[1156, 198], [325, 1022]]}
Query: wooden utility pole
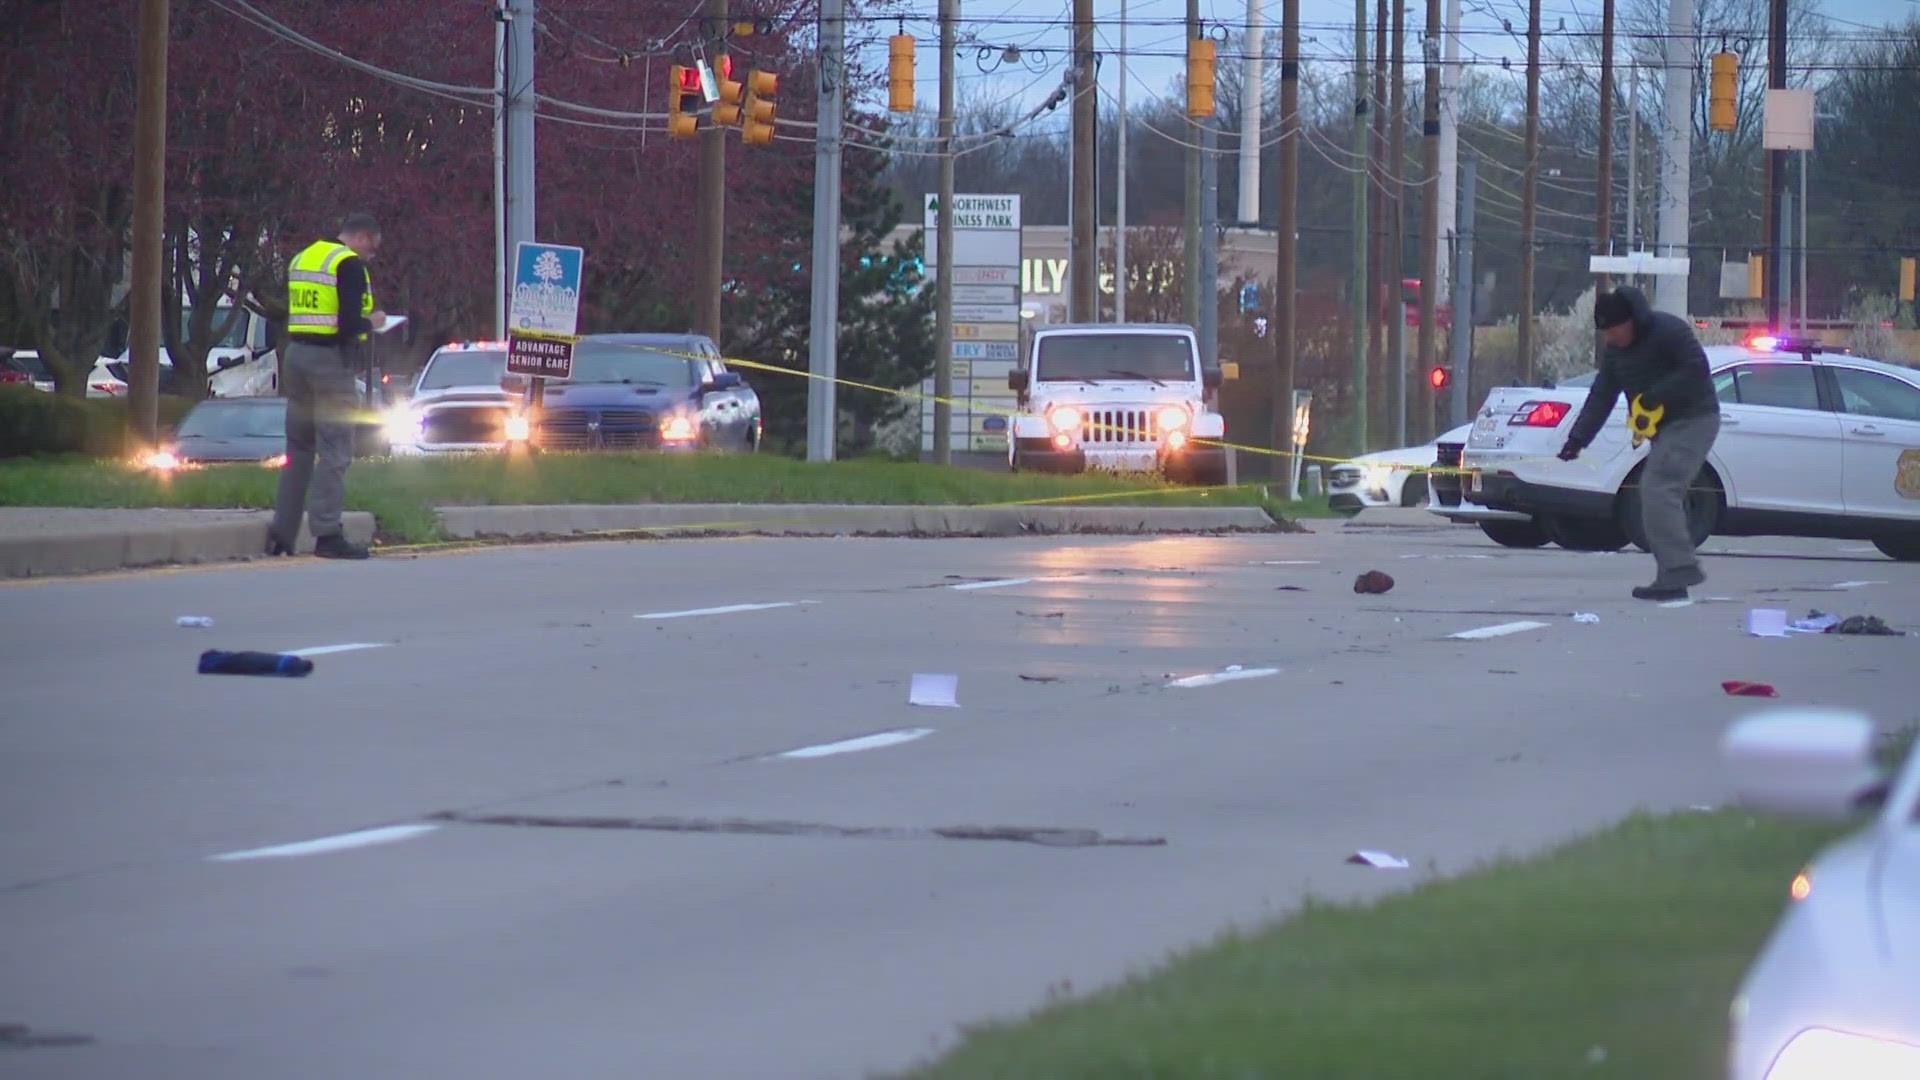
{"points": [[943, 261], [1776, 168], [1529, 193], [1191, 293], [1397, 224], [149, 197], [1377, 226], [1362, 177], [1084, 246], [1430, 217], [1603, 202], [711, 202], [1286, 263]]}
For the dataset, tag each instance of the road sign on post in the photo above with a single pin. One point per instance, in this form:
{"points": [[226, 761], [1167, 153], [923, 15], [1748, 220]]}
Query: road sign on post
{"points": [[545, 311]]}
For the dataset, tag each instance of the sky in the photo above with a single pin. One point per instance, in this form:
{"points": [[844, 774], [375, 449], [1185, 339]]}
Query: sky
{"points": [[1042, 30]]}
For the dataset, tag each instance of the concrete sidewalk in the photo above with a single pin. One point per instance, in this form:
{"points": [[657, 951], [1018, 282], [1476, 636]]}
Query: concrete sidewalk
{"points": [[49, 541], [43, 541]]}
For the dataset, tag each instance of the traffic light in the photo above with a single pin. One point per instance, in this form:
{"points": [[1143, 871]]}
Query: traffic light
{"points": [[900, 73], [756, 122], [1200, 77], [726, 111], [1439, 378], [683, 101], [1720, 99]]}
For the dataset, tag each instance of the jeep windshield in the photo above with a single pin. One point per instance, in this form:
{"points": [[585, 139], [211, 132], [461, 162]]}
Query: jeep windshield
{"points": [[612, 362], [465, 367], [1114, 357]]}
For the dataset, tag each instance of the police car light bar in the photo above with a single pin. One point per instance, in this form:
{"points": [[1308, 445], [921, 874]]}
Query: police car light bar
{"points": [[1777, 343]]}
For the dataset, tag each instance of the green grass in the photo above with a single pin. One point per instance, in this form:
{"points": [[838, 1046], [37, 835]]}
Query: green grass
{"points": [[402, 492], [1633, 941]]}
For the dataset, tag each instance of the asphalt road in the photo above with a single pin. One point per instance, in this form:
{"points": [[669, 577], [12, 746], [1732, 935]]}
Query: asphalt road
{"points": [[730, 915]]}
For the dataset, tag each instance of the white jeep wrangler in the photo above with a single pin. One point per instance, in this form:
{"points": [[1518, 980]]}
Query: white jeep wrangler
{"points": [[1118, 397]]}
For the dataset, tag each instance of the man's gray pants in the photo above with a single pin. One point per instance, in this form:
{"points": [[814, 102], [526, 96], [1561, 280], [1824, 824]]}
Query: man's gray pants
{"points": [[321, 402], [1673, 466]]}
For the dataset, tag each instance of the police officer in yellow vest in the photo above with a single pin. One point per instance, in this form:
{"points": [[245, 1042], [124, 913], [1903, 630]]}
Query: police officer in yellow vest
{"points": [[330, 312]]}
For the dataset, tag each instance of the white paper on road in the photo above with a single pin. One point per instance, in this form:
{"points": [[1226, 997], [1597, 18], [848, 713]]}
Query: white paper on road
{"points": [[935, 691], [1585, 617], [1231, 674], [1766, 622], [1501, 630], [1379, 860]]}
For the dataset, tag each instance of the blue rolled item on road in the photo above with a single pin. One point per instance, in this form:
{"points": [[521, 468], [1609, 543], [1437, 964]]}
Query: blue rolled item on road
{"points": [[218, 662]]}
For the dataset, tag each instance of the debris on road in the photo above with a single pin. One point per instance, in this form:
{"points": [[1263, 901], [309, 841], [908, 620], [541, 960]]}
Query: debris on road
{"points": [[1289, 588], [1379, 860], [198, 621], [1816, 622], [1373, 581], [1039, 678], [217, 662], [1766, 622], [1864, 624], [1743, 688], [934, 691], [1042, 614], [1585, 617]]}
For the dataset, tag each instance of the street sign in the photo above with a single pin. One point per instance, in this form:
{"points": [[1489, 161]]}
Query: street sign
{"points": [[544, 314]]}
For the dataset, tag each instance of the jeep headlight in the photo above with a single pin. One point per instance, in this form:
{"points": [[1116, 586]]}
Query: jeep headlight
{"points": [[1065, 419], [1173, 418], [402, 425]]}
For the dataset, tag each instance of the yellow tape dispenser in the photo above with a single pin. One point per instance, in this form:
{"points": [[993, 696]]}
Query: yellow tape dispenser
{"points": [[1642, 422]]}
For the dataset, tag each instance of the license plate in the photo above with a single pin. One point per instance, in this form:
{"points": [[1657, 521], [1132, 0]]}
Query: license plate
{"points": [[1483, 426]]}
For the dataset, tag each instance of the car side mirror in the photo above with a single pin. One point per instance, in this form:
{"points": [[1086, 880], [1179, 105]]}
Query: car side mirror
{"points": [[726, 380], [1017, 380], [1815, 763], [514, 384], [1211, 378]]}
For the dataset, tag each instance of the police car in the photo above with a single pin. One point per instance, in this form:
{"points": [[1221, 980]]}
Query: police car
{"points": [[457, 404], [1812, 443], [1836, 990]]}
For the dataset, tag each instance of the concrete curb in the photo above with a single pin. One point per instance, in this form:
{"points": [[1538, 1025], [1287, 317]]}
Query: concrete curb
{"points": [[813, 519], [50, 542]]}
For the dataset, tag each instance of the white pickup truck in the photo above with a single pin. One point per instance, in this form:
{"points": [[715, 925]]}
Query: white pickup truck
{"points": [[1120, 398]]}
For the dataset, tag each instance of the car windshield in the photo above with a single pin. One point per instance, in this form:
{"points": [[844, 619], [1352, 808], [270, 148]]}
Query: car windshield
{"points": [[33, 366], [1092, 357], [464, 367], [641, 365], [235, 420], [236, 336], [1580, 380]]}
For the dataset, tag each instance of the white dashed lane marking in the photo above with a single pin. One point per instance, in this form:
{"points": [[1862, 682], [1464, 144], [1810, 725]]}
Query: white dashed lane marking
{"points": [[323, 650], [729, 609], [864, 742], [1501, 630], [345, 841]]}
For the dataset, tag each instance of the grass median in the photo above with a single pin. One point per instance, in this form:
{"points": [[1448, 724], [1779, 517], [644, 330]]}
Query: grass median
{"points": [[403, 492], [1616, 955]]}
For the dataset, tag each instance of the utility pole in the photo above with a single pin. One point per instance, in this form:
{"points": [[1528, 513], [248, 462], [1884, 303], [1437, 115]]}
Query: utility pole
{"points": [[1670, 290], [1633, 157], [502, 82], [1120, 279], [1209, 327], [1463, 295], [1190, 300], [1430, 216], [1529, 193], [823, 336], [1776, 159], [1396, 240], [1250, 109], [1361, 178], [1377, 225], [1448, 97], [943, 264], [1603, 201], [1286, 263], [149, 198], [711, 204], [1084, 277]]}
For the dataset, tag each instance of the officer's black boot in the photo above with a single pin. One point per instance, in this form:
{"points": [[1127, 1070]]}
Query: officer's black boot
{"points": [[338, 547]]}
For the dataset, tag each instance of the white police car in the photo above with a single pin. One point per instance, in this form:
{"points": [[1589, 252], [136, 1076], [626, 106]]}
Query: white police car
{"points": [[457, 404], [1835, 993], [1812, 443]]}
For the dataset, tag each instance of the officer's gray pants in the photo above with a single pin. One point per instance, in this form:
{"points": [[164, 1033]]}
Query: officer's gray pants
{"points": [[321, 401], [1673, 465]]}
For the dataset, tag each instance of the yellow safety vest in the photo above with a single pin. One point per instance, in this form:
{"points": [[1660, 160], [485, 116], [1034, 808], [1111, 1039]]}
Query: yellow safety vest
{"points": [[313, 290]]}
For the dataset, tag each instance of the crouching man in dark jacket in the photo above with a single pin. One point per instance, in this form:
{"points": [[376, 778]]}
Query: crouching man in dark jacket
{"points": [[1653, 356]]}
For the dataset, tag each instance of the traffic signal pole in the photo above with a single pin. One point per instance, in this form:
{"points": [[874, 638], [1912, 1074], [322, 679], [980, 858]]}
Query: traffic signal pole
{"points": [[1463, 293], [710, 204], [823, 339], [943, 264]]}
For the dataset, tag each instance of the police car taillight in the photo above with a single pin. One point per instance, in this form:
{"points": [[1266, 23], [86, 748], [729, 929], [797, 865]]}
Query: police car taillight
{"points": [[1545, 414]]}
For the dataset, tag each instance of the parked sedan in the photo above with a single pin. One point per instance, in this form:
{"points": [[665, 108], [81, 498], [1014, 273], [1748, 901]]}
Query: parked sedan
{"points": [[1836, 991], [1811, 443], [225, 430], [1386, 477], [648, 392]]}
